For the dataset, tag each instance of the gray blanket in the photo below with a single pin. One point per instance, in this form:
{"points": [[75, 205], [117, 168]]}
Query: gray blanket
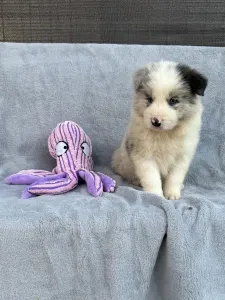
{"points": [[124, 246]]}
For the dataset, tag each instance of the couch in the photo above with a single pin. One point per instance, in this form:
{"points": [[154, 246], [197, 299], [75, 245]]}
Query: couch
{"points": [[128, 245]]}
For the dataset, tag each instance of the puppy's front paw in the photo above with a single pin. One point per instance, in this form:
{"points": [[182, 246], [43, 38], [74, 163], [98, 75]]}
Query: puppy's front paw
{"points": [[172, 193], [156, 191]]}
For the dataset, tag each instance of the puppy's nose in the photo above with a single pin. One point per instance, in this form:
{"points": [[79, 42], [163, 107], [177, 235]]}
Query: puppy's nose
{"points": [[156, 122]]}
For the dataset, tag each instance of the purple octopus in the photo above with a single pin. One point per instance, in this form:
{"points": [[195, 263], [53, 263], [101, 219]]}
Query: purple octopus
{"points": [[72, 149]]}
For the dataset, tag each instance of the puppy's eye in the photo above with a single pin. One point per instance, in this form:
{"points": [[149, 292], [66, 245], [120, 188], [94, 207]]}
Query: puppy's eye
{"points": [[149, 98], [173, 101]]}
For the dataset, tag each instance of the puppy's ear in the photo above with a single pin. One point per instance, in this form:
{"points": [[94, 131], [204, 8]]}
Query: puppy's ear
{"points": [[140, 78], [194, 79]]}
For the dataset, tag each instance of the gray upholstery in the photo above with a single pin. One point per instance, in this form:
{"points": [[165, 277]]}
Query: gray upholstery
{"points": [[128, 245], [177, 22]]}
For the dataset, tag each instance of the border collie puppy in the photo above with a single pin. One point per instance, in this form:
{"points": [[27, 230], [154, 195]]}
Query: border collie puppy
{"points": [[164, 130]]}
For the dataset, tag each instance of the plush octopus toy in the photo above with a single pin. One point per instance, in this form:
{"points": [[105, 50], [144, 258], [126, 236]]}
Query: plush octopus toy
{"points": [[72, 149]]}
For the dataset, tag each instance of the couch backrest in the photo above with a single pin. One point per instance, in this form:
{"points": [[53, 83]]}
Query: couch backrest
{"points": [[41, 85]]}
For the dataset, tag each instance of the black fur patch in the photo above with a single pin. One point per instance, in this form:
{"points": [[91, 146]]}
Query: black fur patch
{"points": [[194, 79]]}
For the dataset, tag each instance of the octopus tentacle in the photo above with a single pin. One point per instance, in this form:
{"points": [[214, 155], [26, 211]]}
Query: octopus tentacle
{"points": [[94, 183], [27, 176], [54, 184], [53, 178], [109, 184]]}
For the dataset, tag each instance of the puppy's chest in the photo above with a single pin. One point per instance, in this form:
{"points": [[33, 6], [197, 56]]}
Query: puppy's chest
{"points": [[165, 150]]}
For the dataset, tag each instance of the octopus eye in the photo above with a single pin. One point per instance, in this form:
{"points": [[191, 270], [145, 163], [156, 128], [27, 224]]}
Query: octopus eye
{"points": [[85, 148], [61, 148]]}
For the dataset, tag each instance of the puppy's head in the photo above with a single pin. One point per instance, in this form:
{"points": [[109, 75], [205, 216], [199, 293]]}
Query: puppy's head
{"points": [[167, 93]]}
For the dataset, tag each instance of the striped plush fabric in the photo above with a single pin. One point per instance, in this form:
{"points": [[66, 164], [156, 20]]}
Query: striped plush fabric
{"points": [[72, 149]]}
